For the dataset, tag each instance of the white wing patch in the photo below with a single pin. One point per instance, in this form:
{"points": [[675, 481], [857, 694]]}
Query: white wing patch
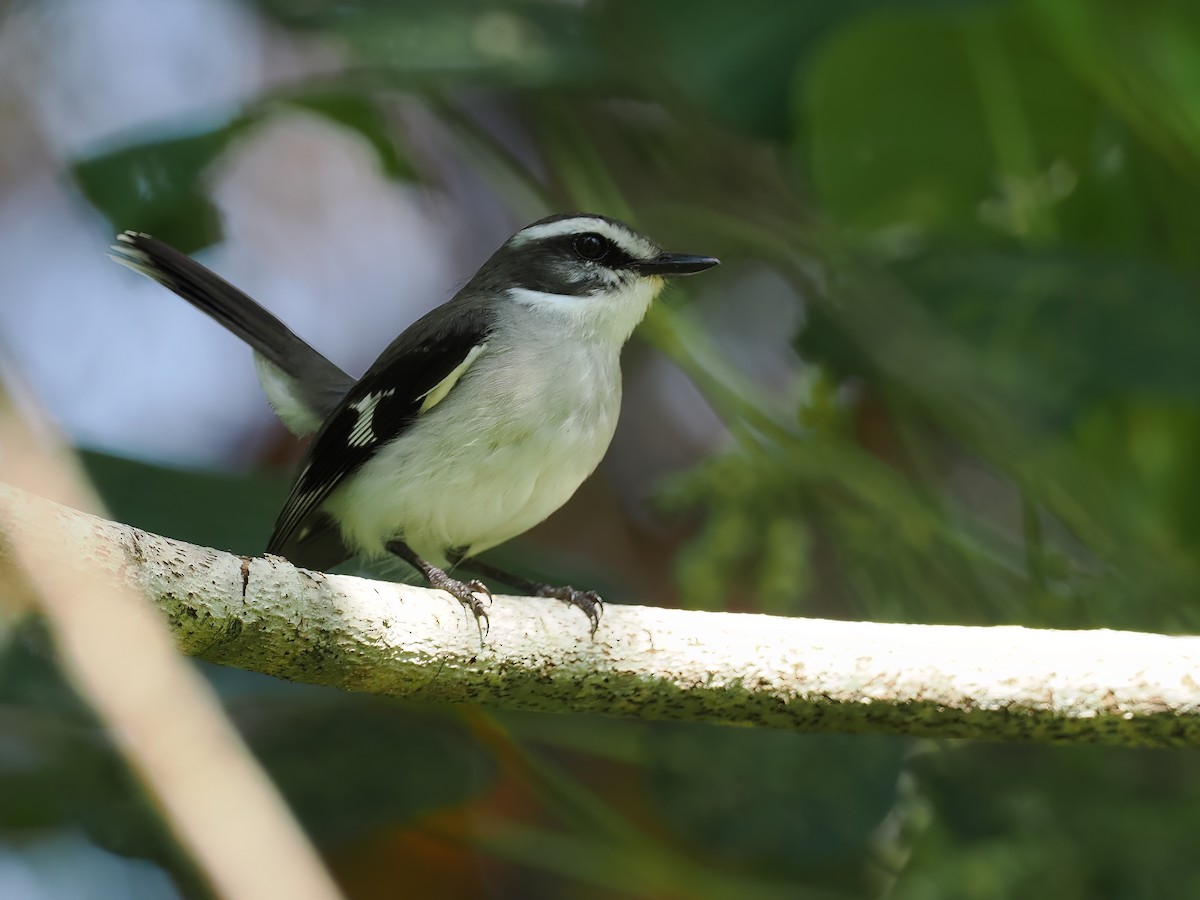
{"points": [[438, 392], [363, 434]]}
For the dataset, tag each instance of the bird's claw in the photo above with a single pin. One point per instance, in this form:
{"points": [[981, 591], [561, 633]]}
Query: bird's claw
{"points": [[478, 587], [587, 601], [467, 593]]}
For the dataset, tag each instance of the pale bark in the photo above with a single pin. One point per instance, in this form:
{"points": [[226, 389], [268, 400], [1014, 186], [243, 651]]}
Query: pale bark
{"points": [[994, 683]]}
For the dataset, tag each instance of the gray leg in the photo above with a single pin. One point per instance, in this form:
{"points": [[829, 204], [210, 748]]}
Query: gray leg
{"points": [[588, 601], [462, 591]]}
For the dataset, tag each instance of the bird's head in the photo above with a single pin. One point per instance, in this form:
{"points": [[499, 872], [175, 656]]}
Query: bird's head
{"points": [[592, 271]]}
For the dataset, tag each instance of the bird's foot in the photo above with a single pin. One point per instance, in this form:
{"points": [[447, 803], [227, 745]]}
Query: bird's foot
{"points": [[465, 592], [587, 601]]}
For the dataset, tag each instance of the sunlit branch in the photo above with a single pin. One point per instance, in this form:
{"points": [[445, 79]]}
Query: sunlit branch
{"points": [[1000, 683]]}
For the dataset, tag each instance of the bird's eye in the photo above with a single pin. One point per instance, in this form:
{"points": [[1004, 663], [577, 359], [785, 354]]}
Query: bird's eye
{"points": [[592, 246]]}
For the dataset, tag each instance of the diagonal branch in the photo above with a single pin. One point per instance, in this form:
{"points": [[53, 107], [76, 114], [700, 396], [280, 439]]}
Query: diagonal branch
{"points": [[162, 716], [995, 683]]}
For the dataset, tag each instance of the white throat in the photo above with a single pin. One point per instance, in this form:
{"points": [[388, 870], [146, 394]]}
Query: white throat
{"points": [[608, 317]]}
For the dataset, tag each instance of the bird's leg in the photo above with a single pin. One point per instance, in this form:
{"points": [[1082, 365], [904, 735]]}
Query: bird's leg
{"points": [[465, 592], [587, 601]]}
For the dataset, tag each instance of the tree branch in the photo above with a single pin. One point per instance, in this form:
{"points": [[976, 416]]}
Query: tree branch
{"points": [[995, 683]]}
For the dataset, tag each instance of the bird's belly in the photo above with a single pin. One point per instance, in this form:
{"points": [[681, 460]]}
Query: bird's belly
{"points": [[474, 477]]}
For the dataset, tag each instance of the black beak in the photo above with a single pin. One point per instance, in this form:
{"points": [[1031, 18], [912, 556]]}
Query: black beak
{"points": [[675, 264]]}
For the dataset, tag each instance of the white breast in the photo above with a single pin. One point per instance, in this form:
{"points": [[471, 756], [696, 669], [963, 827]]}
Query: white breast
{"points": [[510, 446]]}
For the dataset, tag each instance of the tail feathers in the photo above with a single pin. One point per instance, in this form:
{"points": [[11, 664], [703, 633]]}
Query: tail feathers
{"points": [[314, 381]]}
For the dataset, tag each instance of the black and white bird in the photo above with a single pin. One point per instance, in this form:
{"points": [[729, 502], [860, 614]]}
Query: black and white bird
{"points": [[475, 424]]}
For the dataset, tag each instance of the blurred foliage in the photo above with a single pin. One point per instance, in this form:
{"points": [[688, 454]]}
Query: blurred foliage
{"points": [[61, 770], [212, 509], [157, 185], [988, 212]]}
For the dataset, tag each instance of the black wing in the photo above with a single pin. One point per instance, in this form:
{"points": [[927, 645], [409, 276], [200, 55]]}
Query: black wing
{"points": [[384, 402]]}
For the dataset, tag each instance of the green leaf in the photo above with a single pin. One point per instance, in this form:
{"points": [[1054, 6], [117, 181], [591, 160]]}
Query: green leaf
{"points": [[157, 186]]}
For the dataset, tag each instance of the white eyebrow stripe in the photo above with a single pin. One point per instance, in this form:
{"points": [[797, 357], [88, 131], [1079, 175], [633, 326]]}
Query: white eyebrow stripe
{"points": [[561, 228], [633, 244]]}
